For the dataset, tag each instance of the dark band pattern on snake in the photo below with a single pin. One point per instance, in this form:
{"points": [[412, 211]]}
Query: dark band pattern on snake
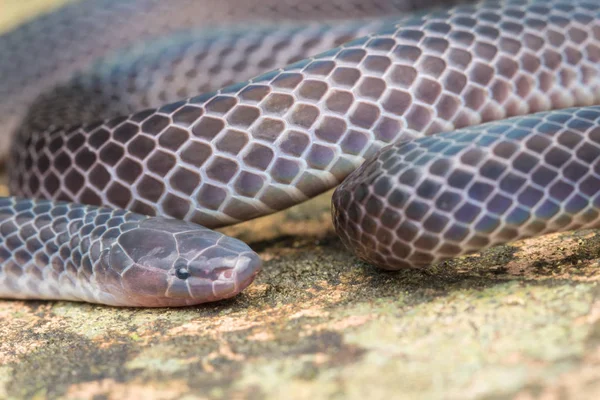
{"points": [[284, 136]]}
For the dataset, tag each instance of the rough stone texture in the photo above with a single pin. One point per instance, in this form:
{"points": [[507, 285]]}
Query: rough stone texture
{"points": [[518, 321]]}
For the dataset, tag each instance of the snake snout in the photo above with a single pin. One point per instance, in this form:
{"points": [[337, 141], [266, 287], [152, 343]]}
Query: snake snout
{"points": [[233, 280], [222, 277]]}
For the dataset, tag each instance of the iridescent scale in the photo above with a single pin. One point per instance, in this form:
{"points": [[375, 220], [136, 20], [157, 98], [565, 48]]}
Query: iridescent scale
{"points": [[439, 197]]}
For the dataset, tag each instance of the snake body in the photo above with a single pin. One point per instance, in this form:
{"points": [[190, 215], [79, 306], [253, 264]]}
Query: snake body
{"points": [[434, 198], [284, 136]]}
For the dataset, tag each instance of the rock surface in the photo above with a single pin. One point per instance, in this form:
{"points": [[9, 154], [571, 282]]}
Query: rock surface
{"points": [[517, 321]]}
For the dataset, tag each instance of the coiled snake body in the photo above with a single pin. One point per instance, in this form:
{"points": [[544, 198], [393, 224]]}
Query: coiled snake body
{"points": [[382, 89]]}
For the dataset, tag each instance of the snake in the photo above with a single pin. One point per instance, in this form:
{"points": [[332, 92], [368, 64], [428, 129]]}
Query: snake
{"points": [[139, 126]]}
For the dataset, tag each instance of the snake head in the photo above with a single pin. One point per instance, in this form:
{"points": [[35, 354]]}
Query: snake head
{"points": [[166, 262]]}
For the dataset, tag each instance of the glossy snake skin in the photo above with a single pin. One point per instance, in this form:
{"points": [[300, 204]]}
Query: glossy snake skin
{"points": [[438, 197], [286, 135], [52, 48], [115, 257]]}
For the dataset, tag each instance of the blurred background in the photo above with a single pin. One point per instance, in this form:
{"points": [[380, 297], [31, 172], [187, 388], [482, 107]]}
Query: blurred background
{"points": [[13, 12]]}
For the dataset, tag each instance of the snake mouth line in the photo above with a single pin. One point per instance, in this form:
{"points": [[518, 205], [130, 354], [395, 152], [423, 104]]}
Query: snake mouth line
{"points": [[233, 280]]}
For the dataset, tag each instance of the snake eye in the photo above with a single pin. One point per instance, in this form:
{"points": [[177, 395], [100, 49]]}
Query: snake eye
{"points": [[182, 273]]}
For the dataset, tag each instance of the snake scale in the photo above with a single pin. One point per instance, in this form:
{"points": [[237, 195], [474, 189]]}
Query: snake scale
{"points": [[450, 129]]}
